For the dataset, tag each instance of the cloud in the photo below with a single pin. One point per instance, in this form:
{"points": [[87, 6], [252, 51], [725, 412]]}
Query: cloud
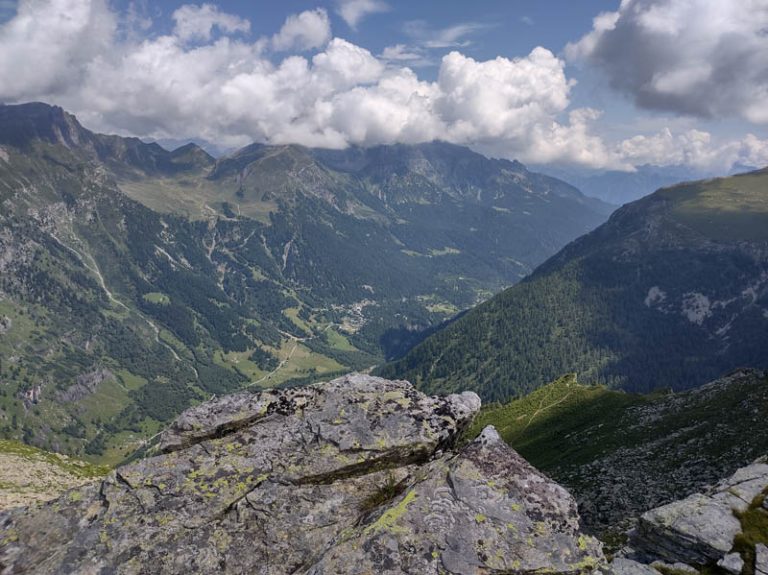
{"points": [[223, 88], [704, 58], [46, 47], [306, 31], [196, 23], [413, 56], [450, 37], [694, 148], [354, 11]]}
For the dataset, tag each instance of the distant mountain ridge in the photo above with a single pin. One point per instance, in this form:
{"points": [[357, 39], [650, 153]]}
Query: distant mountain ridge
{"points": [[25, 124], [671, 292], [621, 187], [135, 281]]}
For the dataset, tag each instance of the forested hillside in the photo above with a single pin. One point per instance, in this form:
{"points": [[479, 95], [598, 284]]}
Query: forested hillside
{"points": [[671, 292]]}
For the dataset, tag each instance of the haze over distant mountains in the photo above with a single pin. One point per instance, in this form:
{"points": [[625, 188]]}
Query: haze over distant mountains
{"points": [[621, 187]]}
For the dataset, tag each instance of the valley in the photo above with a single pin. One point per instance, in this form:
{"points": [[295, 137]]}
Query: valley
{"points": [[669, 293], [378, 287], [137, 281]]}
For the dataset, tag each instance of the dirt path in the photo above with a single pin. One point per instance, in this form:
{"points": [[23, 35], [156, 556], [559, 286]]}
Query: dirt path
{"points": [[542, 408]]}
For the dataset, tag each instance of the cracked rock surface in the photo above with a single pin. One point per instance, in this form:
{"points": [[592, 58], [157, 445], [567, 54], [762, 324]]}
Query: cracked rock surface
{"points": [[358, 475], [702, 527]]}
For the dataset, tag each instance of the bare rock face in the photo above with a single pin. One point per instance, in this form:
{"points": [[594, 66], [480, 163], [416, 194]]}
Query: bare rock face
{"points": [[484, 510], [761, 559], [85, 384], [702, 529], [359, 475], [697, 530]]}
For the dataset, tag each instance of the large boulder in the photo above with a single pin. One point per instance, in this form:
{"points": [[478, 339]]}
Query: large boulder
{"points": [[359, 475], [695, 530], [702, 528]]}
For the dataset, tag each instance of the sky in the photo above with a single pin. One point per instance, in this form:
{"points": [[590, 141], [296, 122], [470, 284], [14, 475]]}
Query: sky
{"points": [[592, 84]]}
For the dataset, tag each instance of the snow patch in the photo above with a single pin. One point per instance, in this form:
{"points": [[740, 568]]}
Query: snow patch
{"points": [[655, 296], [4, 155], [753, 291], [723, 331], [696, 307]]}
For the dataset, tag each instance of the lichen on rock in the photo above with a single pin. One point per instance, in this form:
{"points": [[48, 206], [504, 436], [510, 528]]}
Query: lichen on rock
{"points": [[358, 475]]}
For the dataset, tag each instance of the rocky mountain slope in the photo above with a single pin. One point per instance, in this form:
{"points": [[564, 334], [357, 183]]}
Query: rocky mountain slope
{"points": [[29, 475], [671, 292], [622, 454], [723, 530], [359, 475], [136, 281]]}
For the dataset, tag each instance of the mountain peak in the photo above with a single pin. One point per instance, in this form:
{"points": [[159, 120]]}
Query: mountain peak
{"points": [[191, 155], [24, 123]]}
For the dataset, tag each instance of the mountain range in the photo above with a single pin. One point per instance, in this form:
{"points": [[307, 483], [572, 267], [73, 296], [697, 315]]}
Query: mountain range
{"points": [[135, 281], [621, 187], [138, 283], [671, 292]]}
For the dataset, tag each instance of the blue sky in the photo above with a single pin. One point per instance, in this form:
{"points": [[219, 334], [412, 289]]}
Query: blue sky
{"points": [[587, 83], [505, 27]]}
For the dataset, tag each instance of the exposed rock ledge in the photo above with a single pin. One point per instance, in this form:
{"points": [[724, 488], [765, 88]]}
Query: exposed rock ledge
{"points": [[356, 476], [705, 530]]}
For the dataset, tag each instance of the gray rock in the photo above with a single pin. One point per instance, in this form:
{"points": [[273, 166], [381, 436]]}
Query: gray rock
{"points": [[5, 324], [702, 527], [85, 384], [624, 566], [485, 510], [761, 559], [695, 530], [733, 563], [359, 475], [742, 487], [680, 567]]}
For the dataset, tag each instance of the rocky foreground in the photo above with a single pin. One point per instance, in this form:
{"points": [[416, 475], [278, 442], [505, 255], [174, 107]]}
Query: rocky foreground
{"points": [[360, 475], [723, 530], [29, 475]]}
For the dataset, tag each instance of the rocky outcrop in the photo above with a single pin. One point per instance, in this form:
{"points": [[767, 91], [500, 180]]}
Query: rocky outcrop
{"points": [[85, 384], [359, 475], [761, 559], [716, 528], [697, 530]]}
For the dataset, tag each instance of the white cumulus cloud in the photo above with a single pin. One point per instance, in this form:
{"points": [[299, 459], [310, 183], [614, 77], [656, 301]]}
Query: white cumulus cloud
{"points": [[207, 80], [47, 46], [704, 58], [197, 22], [694, 148], [306, 31], [354, 11]]}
